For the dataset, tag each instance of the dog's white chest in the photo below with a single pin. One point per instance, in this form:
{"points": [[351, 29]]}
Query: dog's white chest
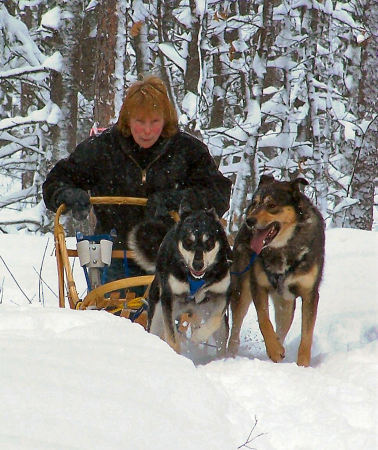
{"points": [[222, 285], [177, 286]]}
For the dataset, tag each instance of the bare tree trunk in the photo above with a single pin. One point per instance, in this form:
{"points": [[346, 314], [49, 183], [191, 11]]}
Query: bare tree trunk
{"points": [[139, 32], [65, 85], [312, 25], [220, 77], [104, 80], [122, 57], [252, 88], [193, 75], [360, 214], [26, 101], [164, 16], [64, 90], [193, 70]]}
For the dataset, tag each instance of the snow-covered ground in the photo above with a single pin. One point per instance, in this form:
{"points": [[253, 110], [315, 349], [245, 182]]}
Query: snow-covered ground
{"points": [[89, 380]]}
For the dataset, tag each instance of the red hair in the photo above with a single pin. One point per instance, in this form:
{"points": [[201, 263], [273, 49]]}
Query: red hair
{"points": [[146, 97]]}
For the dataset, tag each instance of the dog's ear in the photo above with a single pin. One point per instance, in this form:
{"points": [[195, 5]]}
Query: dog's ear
{"points": [[295, 183], [295, 186], [185, 210], [213, 213], [229, 251], [265, 179]]}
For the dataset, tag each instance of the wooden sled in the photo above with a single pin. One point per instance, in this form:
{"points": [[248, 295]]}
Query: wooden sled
{"points": [[105, 296]]}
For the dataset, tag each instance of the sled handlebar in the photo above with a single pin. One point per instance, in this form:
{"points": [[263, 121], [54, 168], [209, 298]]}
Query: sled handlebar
{"points": [[139, 201], [119, 201], [103, 201]]}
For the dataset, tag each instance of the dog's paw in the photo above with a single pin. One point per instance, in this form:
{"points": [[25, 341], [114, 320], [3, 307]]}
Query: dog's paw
{"points": [[304, 357], [275, 351], [233, 347], [186, 323]]}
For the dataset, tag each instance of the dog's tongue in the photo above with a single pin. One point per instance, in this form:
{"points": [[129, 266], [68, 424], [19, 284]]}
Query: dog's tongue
{"points": [[257, 240]]}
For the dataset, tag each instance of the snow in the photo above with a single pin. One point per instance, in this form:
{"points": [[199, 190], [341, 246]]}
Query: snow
{"points": [[189, 104], [54, 62], [259, 66], [121, 51], [344, 17], [87, 379], [92, 4], [50, 113], [18, 31], [52, 18], [171, 52], [201, 7]]}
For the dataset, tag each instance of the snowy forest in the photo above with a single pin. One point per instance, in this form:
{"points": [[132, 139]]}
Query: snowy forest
{"points": [[282, 87]]}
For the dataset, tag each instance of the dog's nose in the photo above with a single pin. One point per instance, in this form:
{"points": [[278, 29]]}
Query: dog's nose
{"points": [[198, 260], [198, 264], [250, 221]]}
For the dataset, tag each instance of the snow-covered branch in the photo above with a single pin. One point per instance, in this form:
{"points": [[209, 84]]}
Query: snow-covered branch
{"points": [[49, 114], [15, 197], [22, 71], [17, 144]]}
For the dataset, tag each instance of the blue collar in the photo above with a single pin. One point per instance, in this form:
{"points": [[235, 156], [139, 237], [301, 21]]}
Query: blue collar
{"points": [[195, 284]]}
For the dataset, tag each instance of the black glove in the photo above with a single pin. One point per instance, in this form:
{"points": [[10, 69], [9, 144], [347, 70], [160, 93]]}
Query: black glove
{"points": [[193, 199], [75, 199], [160, 203]]}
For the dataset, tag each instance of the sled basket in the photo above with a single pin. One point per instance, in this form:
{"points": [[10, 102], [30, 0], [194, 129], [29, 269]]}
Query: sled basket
{"points": [[105, 296]]}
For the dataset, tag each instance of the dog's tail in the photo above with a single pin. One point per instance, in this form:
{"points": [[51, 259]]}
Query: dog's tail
{"points": [[145, 239]]}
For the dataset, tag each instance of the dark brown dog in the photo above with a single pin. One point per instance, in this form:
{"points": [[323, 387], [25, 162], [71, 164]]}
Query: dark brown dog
{"points": [[286, 232]]}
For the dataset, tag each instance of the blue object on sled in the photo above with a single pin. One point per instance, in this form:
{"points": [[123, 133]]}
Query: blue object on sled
{"points": [[95, 253]]}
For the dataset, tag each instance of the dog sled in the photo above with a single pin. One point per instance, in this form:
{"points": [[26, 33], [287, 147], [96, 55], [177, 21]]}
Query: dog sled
{"points": [[95, 254]]}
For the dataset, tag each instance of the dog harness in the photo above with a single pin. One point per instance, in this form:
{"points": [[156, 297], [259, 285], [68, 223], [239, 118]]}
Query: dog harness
{"points": [[194, 285], [249, 265], [277, 280]]}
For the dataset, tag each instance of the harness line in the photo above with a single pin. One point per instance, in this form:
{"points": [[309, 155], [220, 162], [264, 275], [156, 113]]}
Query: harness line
{"points": [[251, 261]]}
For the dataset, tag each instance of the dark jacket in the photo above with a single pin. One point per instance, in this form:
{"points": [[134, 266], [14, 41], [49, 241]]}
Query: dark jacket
{"points": [[112, 165]]}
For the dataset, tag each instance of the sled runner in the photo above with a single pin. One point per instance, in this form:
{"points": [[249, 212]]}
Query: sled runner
{"points": [[95, 254]]}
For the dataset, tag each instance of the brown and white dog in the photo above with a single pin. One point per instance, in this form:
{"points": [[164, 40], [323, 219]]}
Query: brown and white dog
{"points": [[286, 232]]}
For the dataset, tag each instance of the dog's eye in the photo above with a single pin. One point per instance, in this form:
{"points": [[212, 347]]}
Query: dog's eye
{"points": [[271, 205], [188, 243], [209, 244]]}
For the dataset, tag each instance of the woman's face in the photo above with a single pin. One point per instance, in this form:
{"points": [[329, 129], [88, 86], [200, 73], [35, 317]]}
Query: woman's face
{"points": [[146, 129]]}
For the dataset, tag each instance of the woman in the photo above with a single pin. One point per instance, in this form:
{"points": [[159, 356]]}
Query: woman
{"points": [[143, 155]]}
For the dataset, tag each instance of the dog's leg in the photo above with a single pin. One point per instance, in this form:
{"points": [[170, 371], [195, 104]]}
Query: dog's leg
{"points": [[153, 299], [207, 329], [156, 325], [170, 334], [284, 315], [274, 348], [240, 301], [309, 310], [221, 336]]}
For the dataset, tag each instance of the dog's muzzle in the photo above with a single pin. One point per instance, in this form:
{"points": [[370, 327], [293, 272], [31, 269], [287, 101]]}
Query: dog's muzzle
{"points": [[262, 237]]}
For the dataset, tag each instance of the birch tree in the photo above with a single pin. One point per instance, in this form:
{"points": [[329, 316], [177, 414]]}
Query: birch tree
{"points": [[25, 70], [281, 87], [364, 106]]}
